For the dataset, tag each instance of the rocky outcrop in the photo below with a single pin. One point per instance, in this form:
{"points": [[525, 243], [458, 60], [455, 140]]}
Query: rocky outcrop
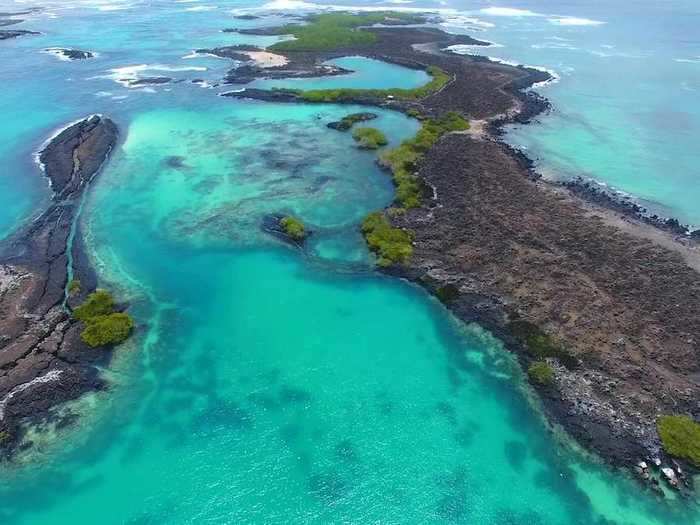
{"points": [[43, 362], [70, 54], [7, 34]]}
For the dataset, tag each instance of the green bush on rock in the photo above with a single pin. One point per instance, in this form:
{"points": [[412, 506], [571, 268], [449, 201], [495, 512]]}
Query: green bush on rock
{"points": [[541, 373], [329, 31], [103, 326], [403, 160], [680, 437], [294, 228], [108, 329], [74, 287], [369, 138], [100, 302], [391, 245], [540, 344]]}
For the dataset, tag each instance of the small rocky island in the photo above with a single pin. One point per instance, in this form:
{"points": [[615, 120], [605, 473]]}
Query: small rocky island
{"points": [[45, 352], [601, 307], [70, 54]]}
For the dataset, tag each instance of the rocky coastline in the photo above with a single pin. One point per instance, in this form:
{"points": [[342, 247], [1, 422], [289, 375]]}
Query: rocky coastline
{"points": [[515, 251], [43, 361]]}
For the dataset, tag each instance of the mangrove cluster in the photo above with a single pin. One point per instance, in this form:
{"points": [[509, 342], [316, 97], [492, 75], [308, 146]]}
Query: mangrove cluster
{"points": [[369, 138], [391, 245], [104, 325], [329, 31]]}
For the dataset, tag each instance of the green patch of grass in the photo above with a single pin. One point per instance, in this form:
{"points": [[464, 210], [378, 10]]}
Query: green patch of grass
{"points": [[330, 31], [439, 79], [539, 344], [541, 373], [109, 329], [403, 160], [391, 245], [294, 228], [369, 138], [349, 121], [103, 326], [680, 437], [74, 287], [97, 303]]}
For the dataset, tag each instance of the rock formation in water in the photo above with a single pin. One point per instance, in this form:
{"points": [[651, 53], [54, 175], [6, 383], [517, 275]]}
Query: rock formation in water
{"points": [[43, 362]]}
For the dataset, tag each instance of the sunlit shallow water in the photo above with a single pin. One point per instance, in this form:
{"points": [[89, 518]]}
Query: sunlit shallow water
{"points": [[267, 384]]}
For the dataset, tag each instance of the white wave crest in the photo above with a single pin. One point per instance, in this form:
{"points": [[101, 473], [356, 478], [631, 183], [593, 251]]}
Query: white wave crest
{"points": [[574, 21]]}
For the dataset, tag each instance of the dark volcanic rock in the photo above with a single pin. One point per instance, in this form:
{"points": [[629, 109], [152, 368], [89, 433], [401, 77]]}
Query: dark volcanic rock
{"points": [[72, 54], [5, 23], [43, 362], [347, 122], [279, 95], [147, 81], [89, 140], [626, 310], [7, 34], [245, 17]]}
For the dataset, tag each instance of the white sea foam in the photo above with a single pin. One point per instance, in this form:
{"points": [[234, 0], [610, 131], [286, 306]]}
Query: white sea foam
{"points": [[468, 22], [573, 21], [202, 8], [507, 11], [128, 74], [695, 60]]}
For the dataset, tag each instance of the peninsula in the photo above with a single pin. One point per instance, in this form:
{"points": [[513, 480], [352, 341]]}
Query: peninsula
{"points": [[43, 359], [602, 307]]}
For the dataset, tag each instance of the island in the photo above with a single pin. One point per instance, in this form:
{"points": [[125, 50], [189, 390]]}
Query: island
{"points": [[598, 301], [46, 352]]}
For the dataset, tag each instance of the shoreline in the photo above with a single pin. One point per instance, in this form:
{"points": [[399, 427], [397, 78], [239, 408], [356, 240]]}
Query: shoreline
{"points": [[619, 423], [43, 361]]}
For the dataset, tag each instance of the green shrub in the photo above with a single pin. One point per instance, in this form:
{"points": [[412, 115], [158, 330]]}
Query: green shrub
{"points": [[97, 303], [103, 326], [539, 344], [369, 138], [294, 228], [4, 436], [391, 245], [680, 437], [541, 373], [403, 159], [109, 329], [329, 31], [74, 287]]}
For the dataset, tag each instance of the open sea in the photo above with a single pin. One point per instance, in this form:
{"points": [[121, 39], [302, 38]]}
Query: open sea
{"points": [[269, 385]]}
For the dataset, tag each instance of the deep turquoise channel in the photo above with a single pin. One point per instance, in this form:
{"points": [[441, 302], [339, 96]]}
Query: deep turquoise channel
{"points": [[266, 384]]}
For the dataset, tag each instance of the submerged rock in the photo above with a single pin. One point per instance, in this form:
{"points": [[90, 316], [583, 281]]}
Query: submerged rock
{"points": [[70, 54], [7, 34]]}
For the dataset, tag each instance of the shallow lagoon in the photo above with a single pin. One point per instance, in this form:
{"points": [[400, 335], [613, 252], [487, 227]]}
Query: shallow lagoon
{"points": [[270, 385], [367, 73]]}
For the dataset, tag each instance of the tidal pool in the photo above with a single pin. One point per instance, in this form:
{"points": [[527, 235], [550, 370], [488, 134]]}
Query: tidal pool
{"points": [[367, 73]]}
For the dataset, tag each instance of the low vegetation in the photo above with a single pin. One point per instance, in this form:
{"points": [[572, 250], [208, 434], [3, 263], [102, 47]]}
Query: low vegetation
{"points": [[391, 245], [103, 325], [541, 373], [369, 138], [439, 79], [330, 31], [403, 160], [294, 228], [74, 287], [349, 121], [680, 437], [447, 293], [540, 344], [4, 436]]}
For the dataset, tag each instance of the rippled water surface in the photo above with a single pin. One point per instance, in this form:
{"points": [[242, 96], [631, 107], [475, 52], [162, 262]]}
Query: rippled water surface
{"points": [[265, 384]]}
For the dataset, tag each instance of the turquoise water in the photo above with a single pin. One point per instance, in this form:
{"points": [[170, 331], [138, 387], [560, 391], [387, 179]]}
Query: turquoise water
{"points": [[266, 384], [626, 108], [366, 73]]}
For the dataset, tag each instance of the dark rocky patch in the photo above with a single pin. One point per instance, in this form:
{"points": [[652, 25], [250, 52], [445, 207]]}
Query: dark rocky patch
{"points": [[5, 23], [73, 54], [7, 34], [43, 362], [347, 122], [149, 81], [245, 17], [175, 162]]}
